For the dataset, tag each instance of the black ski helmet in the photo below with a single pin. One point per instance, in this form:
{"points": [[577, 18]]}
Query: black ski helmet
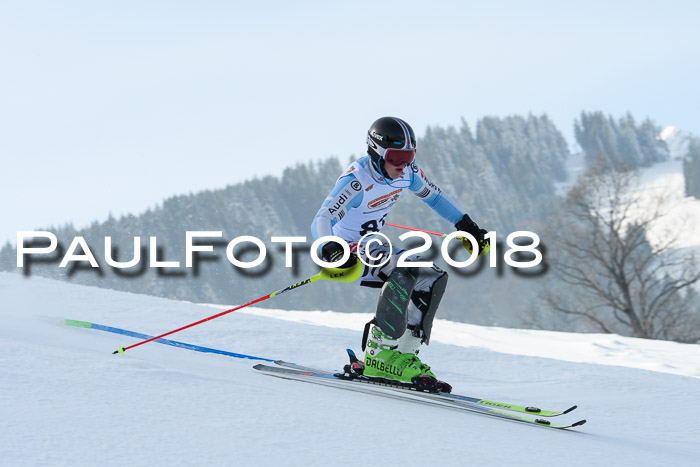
{"points": [[389, 133]]}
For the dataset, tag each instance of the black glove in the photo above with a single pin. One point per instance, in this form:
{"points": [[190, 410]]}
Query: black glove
{"points": [[466, 224], [333, 251], [469, 226]]}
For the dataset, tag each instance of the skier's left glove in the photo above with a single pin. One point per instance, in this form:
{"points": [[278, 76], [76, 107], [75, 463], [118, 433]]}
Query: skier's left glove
{"points": [[466, 224], [333, 251]]}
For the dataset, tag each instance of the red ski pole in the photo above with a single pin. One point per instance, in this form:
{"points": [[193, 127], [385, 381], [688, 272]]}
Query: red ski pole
{"points": [[466, 243], [420, 230], [332, 274]]}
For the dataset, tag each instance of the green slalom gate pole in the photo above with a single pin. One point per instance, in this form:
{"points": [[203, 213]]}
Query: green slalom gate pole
{"points": [[331, 274]]}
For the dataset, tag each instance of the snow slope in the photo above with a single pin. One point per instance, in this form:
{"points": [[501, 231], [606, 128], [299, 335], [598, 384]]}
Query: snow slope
{"points": [[66, 400], [682, 213]]}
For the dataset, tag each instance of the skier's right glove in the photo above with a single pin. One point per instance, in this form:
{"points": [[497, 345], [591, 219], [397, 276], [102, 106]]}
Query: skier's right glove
{"points": [[466, 224], [333, 251]]}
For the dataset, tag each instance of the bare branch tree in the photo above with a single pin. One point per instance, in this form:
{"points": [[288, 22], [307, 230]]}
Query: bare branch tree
{"points": [[609, 274]]}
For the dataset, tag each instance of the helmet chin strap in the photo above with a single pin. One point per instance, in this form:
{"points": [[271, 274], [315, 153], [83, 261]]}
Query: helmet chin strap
{"points": [[378, 168], [382, 167]]}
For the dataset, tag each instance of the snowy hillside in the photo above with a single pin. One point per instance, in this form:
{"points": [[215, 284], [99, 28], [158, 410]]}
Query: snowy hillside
{"points": [[66, 400], [682, 219], [683, 212]]}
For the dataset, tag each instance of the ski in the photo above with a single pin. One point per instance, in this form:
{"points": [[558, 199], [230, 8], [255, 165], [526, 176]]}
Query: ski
{"points": [[402, 393], [455, 397]]}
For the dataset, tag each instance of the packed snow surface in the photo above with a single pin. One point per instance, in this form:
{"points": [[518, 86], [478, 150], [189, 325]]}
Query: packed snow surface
{"points": [[66, 400]]}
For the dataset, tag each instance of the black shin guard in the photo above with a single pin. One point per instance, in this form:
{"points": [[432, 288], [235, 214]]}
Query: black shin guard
{"points": [[433, 301], [392, 309]]}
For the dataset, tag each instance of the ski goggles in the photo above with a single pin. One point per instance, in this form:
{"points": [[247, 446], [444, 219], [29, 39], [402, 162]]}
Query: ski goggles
{"points": [[399, 157]]}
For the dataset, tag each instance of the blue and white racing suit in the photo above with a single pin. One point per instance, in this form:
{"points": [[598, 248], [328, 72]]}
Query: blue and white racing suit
{"points": [[359, 204]]}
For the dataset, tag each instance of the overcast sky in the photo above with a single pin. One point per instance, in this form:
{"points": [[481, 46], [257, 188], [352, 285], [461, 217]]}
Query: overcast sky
{"points": [[113, 106]]}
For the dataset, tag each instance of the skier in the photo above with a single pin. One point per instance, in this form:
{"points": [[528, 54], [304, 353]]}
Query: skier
{"points": [[358, 204]]}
